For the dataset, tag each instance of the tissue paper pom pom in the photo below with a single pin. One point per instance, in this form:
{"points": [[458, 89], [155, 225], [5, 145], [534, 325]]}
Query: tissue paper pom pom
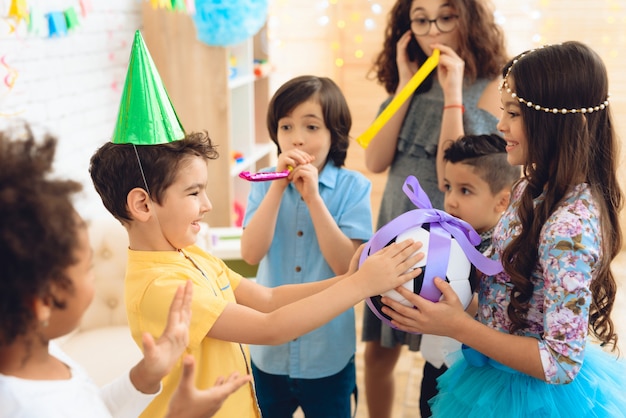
{"points": [[228, 22]]}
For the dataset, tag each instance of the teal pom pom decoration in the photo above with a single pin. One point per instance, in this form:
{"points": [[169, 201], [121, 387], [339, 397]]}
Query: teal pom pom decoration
{"points": [[228, 22]]}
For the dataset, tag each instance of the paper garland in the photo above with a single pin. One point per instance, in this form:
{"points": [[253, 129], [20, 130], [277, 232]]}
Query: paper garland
{"points": [[51, 24], [18, 11], [187, 6], [220, 22]]}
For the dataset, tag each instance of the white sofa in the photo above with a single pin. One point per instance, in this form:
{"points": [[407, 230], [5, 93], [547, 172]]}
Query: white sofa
{"points": [[102, 344]]}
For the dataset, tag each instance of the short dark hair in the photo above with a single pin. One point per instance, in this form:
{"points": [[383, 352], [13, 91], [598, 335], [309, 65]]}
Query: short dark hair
{"points": [[337, 116], [38, 230], [115, 170], [487, 154]]}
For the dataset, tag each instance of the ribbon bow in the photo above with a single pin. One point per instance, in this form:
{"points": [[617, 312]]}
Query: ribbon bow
{"points": [[443, 226]]}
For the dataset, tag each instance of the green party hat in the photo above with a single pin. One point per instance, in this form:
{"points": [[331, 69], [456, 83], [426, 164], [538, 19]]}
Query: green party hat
{"points": [[146, 115]]}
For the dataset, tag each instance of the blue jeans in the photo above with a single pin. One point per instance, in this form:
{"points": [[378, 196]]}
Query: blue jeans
{"points": [[329, 397]]}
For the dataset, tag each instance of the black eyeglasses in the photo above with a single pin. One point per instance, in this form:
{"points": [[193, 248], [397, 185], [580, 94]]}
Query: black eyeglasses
{"points": [[445, 24]]}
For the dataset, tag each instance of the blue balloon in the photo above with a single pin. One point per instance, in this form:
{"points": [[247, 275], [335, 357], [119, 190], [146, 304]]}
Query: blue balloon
{"points": [[228, 22]]}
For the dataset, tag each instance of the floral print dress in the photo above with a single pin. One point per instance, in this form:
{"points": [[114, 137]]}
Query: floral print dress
{"points": [[580, 378]]}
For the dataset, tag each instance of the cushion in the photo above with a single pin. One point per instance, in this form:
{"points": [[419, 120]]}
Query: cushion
{"points": [[104, 352]]}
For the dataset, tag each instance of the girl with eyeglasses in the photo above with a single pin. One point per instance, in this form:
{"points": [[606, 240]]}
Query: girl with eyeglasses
{"points": [[460, 97]]}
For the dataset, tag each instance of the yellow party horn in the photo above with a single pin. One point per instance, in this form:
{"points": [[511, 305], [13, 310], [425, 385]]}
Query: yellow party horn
{"points": [[384, 116]]}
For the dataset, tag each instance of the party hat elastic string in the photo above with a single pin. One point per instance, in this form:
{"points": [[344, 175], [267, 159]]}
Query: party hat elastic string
{"points": [[145, 183], [143, 175]]}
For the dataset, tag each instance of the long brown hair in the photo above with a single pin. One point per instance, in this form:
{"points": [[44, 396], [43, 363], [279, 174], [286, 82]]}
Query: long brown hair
{"points": [[565, 150], [481, 42]]}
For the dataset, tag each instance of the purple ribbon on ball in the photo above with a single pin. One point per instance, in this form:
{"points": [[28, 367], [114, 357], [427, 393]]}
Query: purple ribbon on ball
{"points": [[443, 227]]}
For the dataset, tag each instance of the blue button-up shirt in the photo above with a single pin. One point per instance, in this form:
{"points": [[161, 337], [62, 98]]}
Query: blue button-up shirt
{"points": [[295, 257]]}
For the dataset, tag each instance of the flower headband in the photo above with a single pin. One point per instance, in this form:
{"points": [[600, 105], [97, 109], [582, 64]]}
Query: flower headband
{"points": [[505, 85]]}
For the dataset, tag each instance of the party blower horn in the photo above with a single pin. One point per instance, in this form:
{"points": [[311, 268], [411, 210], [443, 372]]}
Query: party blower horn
{"points": [[406, 92]]}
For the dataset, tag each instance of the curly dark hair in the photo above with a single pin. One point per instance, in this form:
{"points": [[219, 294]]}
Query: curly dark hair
{"points": [[481, 43], [115, 169], [563, 150], [487, 154], [337, 116], [38, 230]]}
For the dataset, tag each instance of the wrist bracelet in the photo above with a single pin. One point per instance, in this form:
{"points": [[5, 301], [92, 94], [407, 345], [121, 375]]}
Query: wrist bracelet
{"points": [[453, 106]]}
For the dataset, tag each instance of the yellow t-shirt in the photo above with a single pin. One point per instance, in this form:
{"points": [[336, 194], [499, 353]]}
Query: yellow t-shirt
{"points": [[152, 278]]}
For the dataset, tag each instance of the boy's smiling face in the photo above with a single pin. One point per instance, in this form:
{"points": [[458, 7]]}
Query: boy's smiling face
{"points": [[184, 205], [468, 197]]}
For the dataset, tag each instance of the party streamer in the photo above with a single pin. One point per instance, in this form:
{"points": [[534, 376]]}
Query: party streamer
{"points": [[9, 81], [11, 77], [406, 92]]}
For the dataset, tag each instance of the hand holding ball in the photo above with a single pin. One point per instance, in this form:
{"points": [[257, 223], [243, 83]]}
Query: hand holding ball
{"points": [[448, 247], [457, 273]]}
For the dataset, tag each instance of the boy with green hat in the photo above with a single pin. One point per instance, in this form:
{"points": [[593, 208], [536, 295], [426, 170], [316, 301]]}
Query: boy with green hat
{"points": [[153, 178]]}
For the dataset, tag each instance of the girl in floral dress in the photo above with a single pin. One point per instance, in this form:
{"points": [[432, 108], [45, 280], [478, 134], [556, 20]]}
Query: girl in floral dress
{"points": [[543, 344]]}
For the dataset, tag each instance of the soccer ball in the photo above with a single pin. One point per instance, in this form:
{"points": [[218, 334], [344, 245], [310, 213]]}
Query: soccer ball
{"points": [[458, 273]]}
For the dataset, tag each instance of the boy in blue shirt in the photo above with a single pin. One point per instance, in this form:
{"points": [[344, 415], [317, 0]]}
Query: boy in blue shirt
{"points": [[305, 229]]}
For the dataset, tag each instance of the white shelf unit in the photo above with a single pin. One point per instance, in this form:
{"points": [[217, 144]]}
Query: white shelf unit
{"points": [[249, 97]]}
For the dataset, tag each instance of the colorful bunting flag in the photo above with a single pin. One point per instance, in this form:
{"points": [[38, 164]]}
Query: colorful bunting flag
{"points": [[161, 4], [191, 6], [37, 23], [18, 11], [85, 7], [188, 6], [71, 18], [57, 25], [48, 22], [178, 5]]}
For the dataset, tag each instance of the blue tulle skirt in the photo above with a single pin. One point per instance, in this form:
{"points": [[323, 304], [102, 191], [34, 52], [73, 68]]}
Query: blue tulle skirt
{"points": [[599, 390]]}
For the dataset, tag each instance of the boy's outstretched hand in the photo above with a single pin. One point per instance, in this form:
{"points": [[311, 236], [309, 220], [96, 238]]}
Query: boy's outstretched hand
{"points": [[189, 402], [390, 267], [161, 355]]}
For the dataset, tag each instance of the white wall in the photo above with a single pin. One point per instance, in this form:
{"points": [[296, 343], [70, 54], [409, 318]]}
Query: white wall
{"points": [[69, 86]]}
